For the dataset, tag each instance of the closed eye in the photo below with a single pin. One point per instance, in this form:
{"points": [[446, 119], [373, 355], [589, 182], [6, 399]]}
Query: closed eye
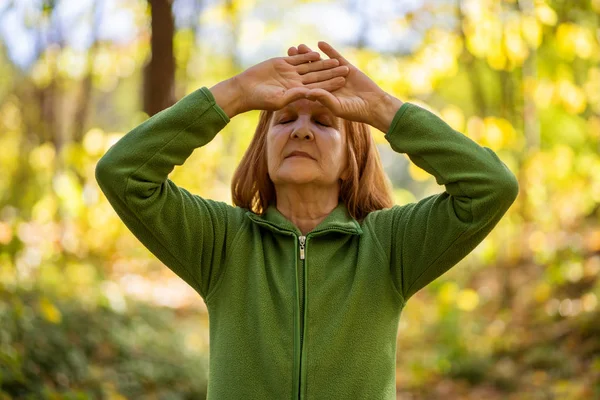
{"points": [[287, 122]]}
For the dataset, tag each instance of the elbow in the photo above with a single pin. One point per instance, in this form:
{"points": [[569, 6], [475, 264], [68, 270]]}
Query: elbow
{"points": [[507, 190], [102, 172], [108, 177], [512, 187], [110, 182], [504, 180]]}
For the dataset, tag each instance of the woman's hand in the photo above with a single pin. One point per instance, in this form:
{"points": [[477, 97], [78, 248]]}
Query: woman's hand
{"points": [[272, 84], [360, 99]]}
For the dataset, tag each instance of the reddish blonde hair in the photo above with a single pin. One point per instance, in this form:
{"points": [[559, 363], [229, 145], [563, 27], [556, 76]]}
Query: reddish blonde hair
{"points": [[366, 189]]}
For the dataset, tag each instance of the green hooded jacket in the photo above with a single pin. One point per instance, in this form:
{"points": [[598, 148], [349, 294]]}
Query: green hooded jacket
{"points": [[310, 317]]}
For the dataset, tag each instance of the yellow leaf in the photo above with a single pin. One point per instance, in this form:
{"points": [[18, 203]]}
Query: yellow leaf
{"points": [[545, 14], [448, 292], [496, 58], [94, 141], [493, 134], [573, 98], [475, 128], [45, 209], [418, 79], [42, 157], [68, 189], [49, 311], [516, 49], [489, 251], [563, 161], [592, 89], [542, 292], [532, 31], [454, 116], [543, 92], [584, 43], [467, 299], [565, 37], [476, 43]]}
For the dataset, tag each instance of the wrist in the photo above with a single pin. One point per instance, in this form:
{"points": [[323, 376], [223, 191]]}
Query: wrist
{"points": [[228, 96], [385, 112]]}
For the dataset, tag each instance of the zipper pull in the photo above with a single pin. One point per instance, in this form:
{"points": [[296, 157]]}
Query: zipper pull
{"points": [[302, 241]]}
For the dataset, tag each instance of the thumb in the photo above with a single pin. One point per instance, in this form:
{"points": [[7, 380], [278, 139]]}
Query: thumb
{"points": [[324, 97]]}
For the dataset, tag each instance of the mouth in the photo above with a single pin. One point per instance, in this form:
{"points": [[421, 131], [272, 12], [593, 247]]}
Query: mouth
{"points": [[300, 154]]}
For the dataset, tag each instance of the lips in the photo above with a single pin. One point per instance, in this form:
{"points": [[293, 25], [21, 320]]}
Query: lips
{"points": [[299, 153]]}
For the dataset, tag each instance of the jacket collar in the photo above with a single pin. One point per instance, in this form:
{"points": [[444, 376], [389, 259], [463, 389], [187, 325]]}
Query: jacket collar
{"points": [[338, 220]]}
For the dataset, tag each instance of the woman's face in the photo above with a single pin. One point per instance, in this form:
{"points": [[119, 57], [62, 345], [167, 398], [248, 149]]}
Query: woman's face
{"points": [[309, 127]]}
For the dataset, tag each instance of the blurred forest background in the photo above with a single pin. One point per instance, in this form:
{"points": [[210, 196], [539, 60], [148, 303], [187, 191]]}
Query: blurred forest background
{"points": [[86, 312]]}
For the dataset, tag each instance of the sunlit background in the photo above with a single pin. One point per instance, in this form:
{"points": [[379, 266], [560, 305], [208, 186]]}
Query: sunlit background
{"points": [[86, 312]]}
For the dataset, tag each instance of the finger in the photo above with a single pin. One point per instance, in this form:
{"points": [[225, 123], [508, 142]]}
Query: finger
{"points": [[292, 51], [303, 58], [317, 66], [332, 53], [329, 85], [320, 76], [303, 48], [294, 94], [325, 98]]}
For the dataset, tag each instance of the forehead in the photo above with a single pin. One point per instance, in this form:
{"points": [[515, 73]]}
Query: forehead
{"points": [[304, 106]]}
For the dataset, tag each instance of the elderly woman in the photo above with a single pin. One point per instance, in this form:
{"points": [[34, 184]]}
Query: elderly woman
{"points": [[305, 277]]}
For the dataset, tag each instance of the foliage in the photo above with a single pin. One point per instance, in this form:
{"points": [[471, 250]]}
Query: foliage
{"points": [[516, 319], [56, 349]]}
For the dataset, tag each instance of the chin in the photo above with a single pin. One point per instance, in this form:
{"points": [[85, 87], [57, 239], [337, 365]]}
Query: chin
{"points": [[294, 177], [296, 181]]}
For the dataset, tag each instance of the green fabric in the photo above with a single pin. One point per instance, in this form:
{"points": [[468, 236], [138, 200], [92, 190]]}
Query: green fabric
{"points": [[355, 278]]}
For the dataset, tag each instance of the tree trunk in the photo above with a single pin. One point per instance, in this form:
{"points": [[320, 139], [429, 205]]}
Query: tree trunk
{"points": [[159, 73]]}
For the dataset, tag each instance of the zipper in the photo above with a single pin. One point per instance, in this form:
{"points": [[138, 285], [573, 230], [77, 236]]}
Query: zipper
{"points": [[302, 274], [302, 242], [299, 334]]}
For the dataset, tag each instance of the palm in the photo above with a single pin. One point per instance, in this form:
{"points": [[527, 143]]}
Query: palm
{"points": [[355, 100], [273, 83]]}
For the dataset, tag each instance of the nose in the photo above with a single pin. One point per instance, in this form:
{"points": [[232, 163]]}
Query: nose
{"points": [[302, 130]]}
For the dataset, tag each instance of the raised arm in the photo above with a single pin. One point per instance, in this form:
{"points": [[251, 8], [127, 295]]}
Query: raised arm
{"points": [[178, 227], [192, 235], [425, 239]]}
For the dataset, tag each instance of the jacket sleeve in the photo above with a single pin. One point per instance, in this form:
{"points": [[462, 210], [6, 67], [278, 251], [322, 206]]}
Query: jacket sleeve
{"points": [[189, 234], [425, 239]]}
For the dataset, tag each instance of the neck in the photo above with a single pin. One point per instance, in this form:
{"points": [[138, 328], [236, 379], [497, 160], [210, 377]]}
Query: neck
{"points": [[306, 206]]}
